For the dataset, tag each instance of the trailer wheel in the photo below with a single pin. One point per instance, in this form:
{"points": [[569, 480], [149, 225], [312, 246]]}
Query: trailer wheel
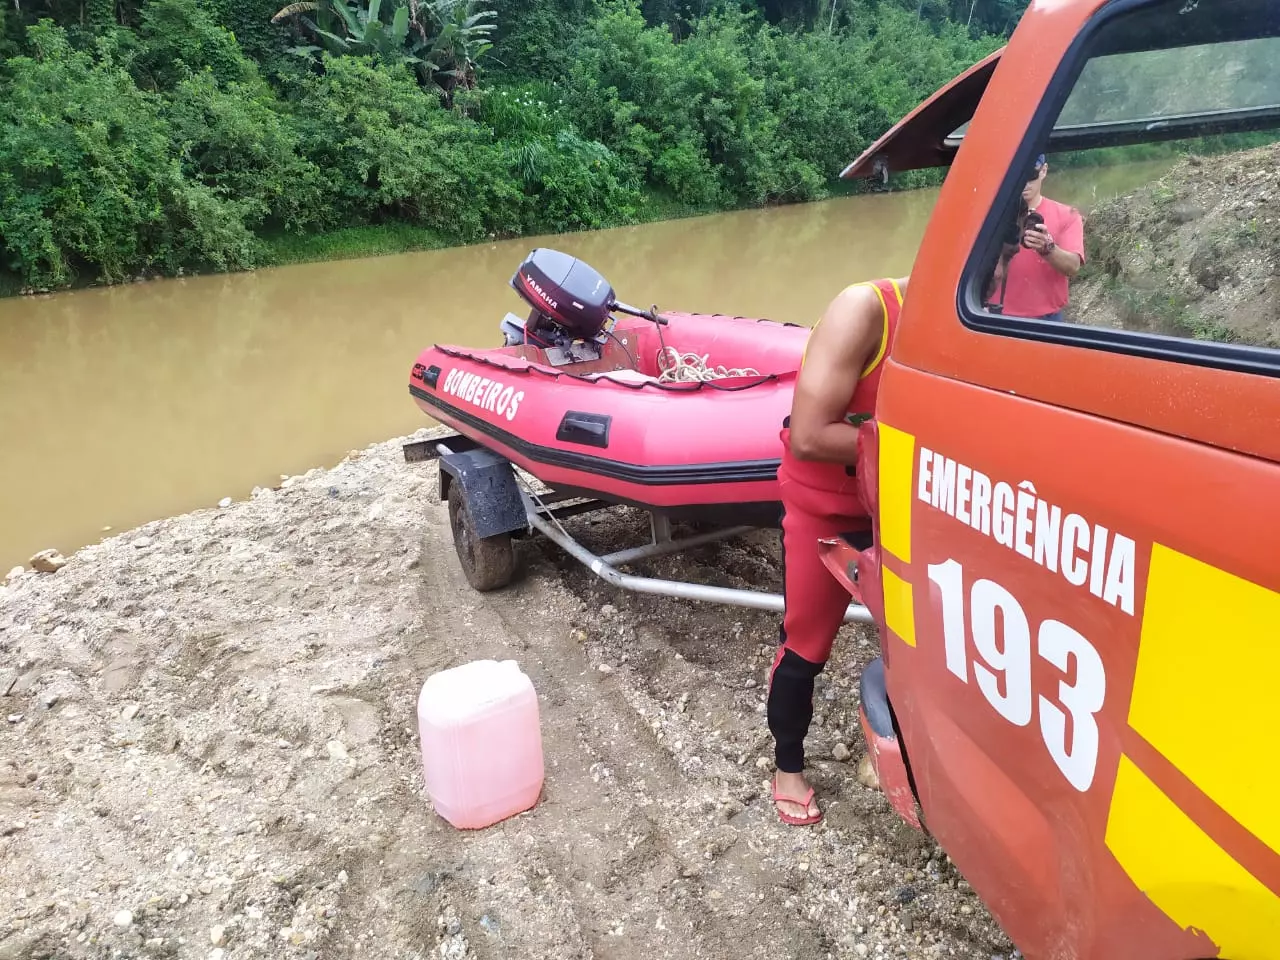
{"points": [[489, 563]]}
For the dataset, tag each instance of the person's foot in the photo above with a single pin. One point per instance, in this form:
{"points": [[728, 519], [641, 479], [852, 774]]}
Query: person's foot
{"points": [[793, 797]]}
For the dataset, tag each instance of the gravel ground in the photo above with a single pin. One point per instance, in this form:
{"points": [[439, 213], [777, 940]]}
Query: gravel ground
{"points": [[208, 749]]}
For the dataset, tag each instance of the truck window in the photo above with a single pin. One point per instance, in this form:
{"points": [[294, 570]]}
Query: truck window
{"points": [[1143, 214]]}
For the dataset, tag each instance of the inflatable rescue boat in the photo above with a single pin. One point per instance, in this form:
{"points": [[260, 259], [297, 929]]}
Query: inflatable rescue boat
{"points": [[676, 412]]}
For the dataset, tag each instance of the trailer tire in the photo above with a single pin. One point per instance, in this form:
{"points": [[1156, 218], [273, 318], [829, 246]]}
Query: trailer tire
{"points": [[489, 563]]}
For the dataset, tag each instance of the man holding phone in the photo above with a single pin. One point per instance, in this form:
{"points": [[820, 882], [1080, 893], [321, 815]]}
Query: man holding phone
{"points": [[1033, 282]]}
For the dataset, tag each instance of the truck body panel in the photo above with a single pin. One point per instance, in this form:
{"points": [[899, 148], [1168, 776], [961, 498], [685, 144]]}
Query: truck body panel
{"points": [[1076, 569]]}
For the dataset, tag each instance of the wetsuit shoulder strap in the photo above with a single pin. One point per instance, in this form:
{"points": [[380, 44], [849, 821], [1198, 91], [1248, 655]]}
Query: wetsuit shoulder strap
{"points": [[890, 301], [890, 295]]}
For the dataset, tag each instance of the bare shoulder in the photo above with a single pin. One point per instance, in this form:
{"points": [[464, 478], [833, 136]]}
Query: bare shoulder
{"points": [[853, 301], [851, 318]]}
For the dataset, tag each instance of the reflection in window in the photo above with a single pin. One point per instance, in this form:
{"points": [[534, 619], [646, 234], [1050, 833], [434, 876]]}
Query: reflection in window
{"points": [[1159, 84], [1190, 253], [1177, 237]]}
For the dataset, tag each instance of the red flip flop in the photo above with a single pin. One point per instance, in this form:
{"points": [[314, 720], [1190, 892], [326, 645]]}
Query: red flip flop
{"points": [[803, 802]]}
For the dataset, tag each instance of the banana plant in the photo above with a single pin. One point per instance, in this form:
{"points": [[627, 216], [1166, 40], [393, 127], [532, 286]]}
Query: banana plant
{"points": [[441, 39], [462, 38], [362, 30]]}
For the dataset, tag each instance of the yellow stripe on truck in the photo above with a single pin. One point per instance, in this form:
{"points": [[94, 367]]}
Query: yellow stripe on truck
{"points": [[1204, 692], [899, 608], [897, 456], [1183, 872]]}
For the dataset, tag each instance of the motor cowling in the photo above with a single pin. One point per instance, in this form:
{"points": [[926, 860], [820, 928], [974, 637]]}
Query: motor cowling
{"points": [[564, 291]]}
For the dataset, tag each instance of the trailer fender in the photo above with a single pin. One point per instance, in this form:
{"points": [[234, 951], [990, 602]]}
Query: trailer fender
{"points": [[488, 484]]}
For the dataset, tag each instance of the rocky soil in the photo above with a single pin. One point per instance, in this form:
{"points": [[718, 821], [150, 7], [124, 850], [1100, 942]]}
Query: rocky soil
{"points": [[208, 749], [1193, 254]]}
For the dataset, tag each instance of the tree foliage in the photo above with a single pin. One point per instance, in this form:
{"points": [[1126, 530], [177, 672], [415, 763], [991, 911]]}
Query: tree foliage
{"points": [[442, 40], [745, 113], [90, 177], [149, 136]]}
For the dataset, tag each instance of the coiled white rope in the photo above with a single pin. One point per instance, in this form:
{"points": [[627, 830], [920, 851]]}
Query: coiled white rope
{"points": [[677, 367]]}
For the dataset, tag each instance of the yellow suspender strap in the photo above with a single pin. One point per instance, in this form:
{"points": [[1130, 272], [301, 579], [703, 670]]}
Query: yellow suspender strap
{"points": [[884, 333]]}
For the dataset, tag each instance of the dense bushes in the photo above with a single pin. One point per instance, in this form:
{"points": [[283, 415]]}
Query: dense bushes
{"points": [[151, 141], [570, 183], [388, 152], [90, 176], [740, 113]]}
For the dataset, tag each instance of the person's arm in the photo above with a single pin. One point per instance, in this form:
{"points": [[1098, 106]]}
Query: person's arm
{"points": [[1066, 252], [842, 343]]}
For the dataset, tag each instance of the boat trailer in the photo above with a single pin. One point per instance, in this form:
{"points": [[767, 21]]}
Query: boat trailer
{"points": [[491, 503]]}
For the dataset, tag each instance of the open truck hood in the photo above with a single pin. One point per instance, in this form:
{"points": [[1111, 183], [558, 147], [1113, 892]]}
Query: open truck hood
{"points": [[924, 137]]}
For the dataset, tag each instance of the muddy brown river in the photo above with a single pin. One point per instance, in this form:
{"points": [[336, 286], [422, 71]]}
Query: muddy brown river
{"points": [[127, 404]]}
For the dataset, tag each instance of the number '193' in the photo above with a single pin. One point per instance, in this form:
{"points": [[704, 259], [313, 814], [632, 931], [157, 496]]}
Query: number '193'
{"points": [[1002, 668]]}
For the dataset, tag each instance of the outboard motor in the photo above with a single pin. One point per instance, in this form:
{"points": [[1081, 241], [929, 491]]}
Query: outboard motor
{"points": [[571, 304], [565, 294]]}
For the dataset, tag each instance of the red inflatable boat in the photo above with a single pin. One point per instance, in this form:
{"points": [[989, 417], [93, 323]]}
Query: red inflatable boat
{"points": [[676, 412]]}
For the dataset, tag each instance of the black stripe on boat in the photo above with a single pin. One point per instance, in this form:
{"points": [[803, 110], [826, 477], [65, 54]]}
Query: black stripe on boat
{"points": [[735, 471]]}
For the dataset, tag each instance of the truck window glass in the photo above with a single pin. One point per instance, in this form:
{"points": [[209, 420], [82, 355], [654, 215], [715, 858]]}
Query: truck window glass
{"points": [[1162, 85], [1153, 223]]}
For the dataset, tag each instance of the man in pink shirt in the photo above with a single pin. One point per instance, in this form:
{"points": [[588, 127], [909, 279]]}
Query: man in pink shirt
{"points": [[1033, 281]]}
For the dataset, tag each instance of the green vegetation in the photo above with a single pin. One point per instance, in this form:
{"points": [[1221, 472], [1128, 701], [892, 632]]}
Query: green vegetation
{"points": [[148, 138]]}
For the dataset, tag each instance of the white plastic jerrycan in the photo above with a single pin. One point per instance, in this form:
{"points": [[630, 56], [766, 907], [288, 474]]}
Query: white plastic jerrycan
{"points": [[481, 742]]}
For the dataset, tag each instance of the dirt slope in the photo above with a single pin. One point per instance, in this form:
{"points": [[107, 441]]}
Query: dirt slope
{"points": [[208, 749], [1194, 254]]}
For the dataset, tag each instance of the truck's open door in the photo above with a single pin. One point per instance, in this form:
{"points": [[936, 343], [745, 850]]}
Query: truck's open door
{"points": [[930, 134]]}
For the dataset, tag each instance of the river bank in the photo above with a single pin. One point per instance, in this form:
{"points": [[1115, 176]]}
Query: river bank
{"points": [[391, 238], [383, 240], [209, 750], [352, 243]]}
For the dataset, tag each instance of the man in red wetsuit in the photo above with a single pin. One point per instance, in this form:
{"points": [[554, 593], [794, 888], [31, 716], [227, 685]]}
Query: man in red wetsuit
{"points": [[835, 390]]}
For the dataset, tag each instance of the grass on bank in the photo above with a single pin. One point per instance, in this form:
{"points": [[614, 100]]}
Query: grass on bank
{"points": [[379, 240], [348, 243], [354, 243]]}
